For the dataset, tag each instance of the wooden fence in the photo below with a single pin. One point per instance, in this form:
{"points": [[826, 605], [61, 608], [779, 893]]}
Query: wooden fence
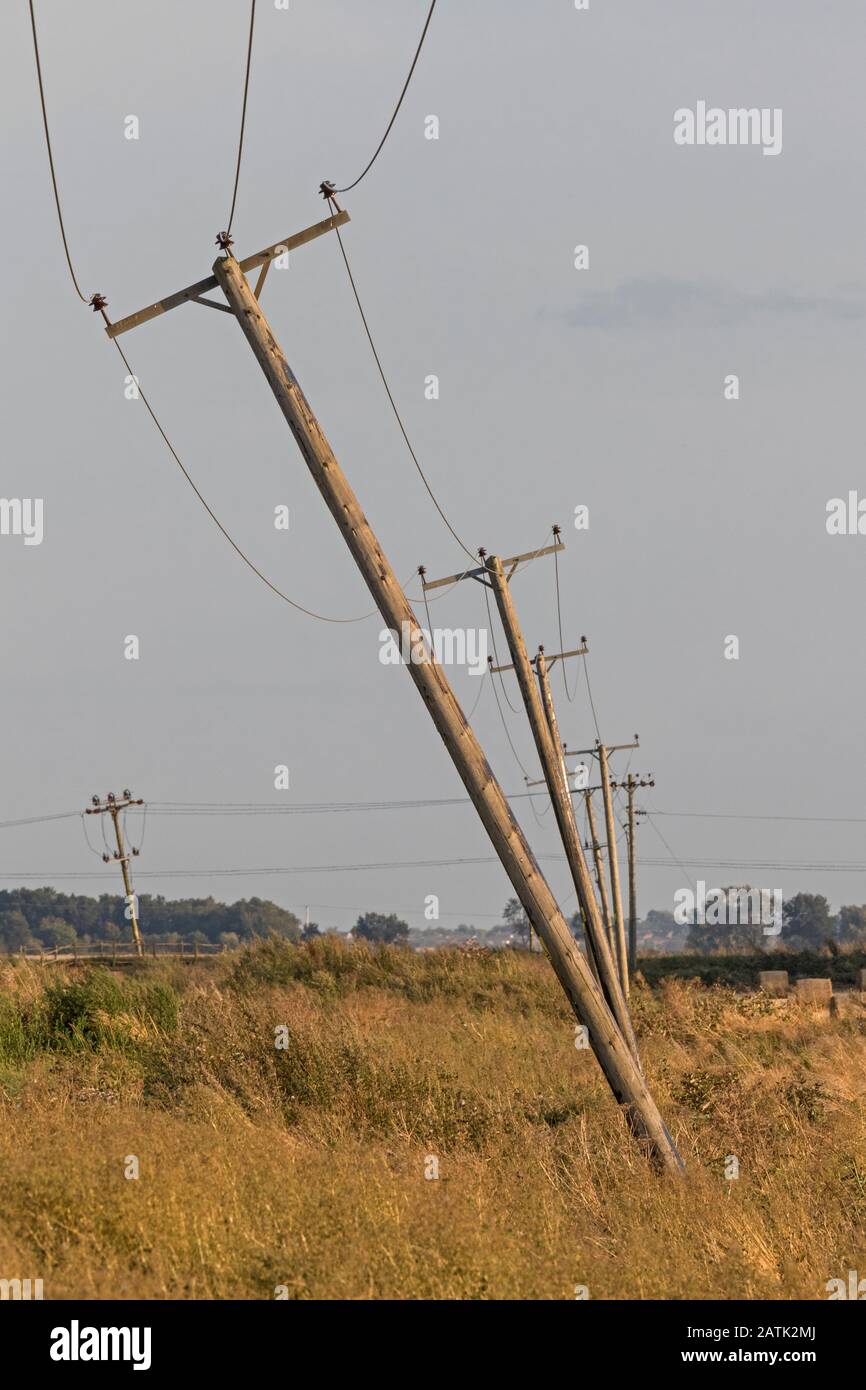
{"points": [[118, 953]]}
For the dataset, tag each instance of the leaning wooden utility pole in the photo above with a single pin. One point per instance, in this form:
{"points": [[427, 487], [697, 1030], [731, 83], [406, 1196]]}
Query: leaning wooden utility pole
{"points": [[114, 807], [529, 884], [631, 785], [603, 752], [632, 882], [613, 867], [542, 721], [599, 870], [560, 798]]}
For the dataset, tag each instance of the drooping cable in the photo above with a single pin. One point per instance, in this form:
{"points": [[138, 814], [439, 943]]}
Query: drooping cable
{"points": [[677, 862], [243, 116], [381, 143], [92, 848], [569, 697], [321, 617], [591, 701], [377, 359], [481, 688], [507, 733], [495, 652], [78, 291]]}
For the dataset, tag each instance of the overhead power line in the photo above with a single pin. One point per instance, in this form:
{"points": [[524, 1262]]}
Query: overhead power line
{"points": [[674, 858], [787, 865], [305, 808], [492, 630], [745, 815], [243, 117], [243, 808], [181, 808], [78, 291], [568, 696], [505, 729], [37, 820], [389, 393], [98, 302], [299, 607], [222, 872], [381, 143], [278, 869], [591, 701]]}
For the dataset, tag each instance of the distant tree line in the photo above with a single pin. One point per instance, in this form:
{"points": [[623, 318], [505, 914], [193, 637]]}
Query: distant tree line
{"points": [[44, 917], [807, 924]]}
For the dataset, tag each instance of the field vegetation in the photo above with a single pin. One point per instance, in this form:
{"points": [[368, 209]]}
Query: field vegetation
{"points": [[306, 1166]]}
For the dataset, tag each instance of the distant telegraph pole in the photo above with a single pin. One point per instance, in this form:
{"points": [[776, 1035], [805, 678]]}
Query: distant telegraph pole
{"points": [[538, 703], [631, 785], [602, 751], [599, 872], [613, 867], [114, 807]]}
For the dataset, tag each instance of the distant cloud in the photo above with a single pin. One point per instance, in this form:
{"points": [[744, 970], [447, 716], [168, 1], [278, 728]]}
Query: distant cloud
{"points": [[640, 302]]}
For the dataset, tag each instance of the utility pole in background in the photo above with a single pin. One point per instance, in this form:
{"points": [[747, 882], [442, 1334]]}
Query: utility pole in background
{"points": [[596, 857], [114, 807], [587, 1000], [606, 973], [602, 752], [542, 720], [613, 867], [631, 785]]}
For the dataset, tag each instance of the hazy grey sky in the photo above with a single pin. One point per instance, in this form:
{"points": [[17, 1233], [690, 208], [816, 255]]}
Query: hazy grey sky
{"points": [[558, 388]]}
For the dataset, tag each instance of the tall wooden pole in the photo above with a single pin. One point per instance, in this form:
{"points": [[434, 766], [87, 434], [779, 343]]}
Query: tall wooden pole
{"points": [[631, 787], [599, 871], [114, 807], [127, 881], [597, 936], [584, 994], [613, 867], [562, 794], [542, 720]]}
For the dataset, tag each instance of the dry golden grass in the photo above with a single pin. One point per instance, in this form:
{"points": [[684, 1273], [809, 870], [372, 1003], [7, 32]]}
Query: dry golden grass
{"points": [[304, 1167]]}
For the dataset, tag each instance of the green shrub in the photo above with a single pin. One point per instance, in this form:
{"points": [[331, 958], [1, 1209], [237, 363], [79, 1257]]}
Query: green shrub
{"points": [[99, 1008]]}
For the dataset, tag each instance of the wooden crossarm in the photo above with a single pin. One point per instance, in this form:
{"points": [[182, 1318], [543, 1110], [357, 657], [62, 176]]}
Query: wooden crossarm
{"points": [[513, 561], [195, 292]]}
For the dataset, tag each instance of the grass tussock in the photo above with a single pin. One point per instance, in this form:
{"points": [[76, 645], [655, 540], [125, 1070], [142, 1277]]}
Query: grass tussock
{"points": [[285, 1106]]}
